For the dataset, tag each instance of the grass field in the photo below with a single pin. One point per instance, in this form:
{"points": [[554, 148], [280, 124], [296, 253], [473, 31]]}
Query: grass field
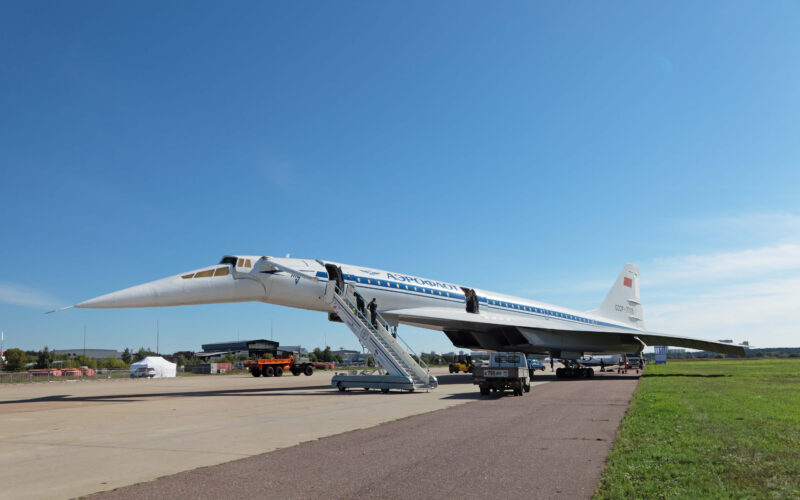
{"points": [[710, 429]]}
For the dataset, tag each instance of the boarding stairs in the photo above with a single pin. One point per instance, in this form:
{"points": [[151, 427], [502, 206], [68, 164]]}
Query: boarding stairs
{"points": [[384, 347]]}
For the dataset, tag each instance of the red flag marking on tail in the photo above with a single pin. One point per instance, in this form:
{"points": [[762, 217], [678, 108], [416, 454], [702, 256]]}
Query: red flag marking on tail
{"points": [[627, 282]]}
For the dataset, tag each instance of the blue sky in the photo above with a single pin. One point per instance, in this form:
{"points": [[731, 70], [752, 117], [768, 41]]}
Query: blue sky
{"points": [[531, 148]]}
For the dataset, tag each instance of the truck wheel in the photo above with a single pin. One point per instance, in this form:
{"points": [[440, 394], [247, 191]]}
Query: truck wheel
{"points": [[484, 391], [590, 372], [269, 371], [527, 387], [340, 386], [308, 370], [559, 373], [450, 368], [296, 372], [385, 391], [255, 371], [278, 371]]}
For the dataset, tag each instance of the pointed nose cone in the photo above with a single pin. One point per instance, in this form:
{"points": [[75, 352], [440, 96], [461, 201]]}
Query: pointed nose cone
{"points": [[178, 290], [136, 296]]}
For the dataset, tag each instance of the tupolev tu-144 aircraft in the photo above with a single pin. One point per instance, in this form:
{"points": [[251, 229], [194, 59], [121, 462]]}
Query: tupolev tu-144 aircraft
{"points": [[470, 317]]}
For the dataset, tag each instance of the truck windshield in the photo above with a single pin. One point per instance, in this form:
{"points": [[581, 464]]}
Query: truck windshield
{"points": [[507, 358]]}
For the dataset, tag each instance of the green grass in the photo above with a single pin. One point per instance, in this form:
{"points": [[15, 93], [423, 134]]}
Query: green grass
{"points": [[710, 429]]}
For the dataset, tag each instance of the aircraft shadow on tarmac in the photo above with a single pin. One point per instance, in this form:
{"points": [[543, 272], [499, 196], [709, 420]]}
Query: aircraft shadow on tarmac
{"points": [[132, 398]]}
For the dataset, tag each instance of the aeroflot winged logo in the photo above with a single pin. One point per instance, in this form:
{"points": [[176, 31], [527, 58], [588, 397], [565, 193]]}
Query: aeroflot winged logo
{"points": [[627, 282]]}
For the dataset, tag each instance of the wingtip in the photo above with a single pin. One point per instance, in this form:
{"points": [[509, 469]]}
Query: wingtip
{"points": [[59, 309]]}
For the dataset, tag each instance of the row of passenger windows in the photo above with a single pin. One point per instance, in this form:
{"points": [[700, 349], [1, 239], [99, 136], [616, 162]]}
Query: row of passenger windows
{"points": [[220, 271], [493, 302], [542, 311], [407, 287]]}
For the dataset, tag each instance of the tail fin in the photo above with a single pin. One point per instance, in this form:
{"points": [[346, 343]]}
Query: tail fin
{"points": [[623, 303]]}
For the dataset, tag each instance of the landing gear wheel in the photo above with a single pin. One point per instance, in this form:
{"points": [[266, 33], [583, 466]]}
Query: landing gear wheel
{"points": [[308, 370], [255, 371], [269, 371], [278, 371], [559, 373], [484, 391], [340, 386]]}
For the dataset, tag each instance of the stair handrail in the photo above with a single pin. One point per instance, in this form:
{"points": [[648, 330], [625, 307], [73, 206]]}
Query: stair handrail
{"points": [[421, 362], [343, 294]]}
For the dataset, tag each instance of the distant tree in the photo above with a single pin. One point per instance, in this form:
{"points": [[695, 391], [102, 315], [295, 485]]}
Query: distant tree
{"points": [[312, 356], [111, 363], [143, 353], [338, 358], [45, 358], [16, 360], [126, 356], [83, 360]]}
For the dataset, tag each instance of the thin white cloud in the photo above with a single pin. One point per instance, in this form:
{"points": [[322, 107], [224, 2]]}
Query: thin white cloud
{"points": [[763, 313], [23, 295], [740, 265]]}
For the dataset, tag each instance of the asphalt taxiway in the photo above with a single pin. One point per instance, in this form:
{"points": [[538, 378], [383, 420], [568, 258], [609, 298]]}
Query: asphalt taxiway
{"points": [[64, 439]]}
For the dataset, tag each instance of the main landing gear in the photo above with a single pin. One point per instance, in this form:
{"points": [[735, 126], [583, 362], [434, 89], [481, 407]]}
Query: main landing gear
{"points": [[573, 369]]}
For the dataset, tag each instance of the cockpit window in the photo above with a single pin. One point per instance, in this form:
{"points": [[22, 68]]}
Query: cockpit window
{"points": [[187, 276], [247, 263], [204, 274], [221, 271], [228, 260]]}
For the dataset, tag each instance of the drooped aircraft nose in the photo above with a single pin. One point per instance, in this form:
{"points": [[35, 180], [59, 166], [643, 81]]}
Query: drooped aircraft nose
{"points": [[205, 286]]}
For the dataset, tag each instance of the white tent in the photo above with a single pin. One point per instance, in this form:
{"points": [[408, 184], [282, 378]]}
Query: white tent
{"points": [[161, 366]]}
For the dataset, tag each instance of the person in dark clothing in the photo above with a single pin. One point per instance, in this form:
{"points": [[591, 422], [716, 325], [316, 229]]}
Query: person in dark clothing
{"points": [[373, 311], [474, 302], [602, 365], [359, 303], [470, 303]]}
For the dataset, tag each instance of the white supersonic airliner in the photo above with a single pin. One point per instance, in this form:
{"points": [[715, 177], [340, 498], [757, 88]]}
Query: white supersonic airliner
{"points": [[470, 317]]}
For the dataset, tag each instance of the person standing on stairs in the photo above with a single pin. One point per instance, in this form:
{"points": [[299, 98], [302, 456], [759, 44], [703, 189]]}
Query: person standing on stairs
{"points": [[360, 303], [373, 311]]}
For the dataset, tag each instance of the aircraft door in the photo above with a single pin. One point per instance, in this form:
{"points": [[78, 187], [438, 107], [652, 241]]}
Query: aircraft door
{"points": [[471, 300], [335, 273]]}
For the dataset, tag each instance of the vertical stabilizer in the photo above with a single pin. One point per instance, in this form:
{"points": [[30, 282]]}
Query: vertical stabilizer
{"points": [[623, 303]]}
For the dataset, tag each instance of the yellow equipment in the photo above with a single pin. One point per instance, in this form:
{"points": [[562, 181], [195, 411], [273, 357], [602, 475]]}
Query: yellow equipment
{"points": [[461, 363]]}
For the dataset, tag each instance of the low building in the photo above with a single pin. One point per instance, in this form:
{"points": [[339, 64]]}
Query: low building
{"points": [[348, 355], [294, 348], [90, 353]]}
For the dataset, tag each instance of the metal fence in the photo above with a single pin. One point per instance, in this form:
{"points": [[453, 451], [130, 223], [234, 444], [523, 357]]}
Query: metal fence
{"points": [[25, 377]]}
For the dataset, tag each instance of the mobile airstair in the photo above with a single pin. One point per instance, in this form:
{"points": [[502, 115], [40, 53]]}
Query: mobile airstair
{"points": [[402, 372]]}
